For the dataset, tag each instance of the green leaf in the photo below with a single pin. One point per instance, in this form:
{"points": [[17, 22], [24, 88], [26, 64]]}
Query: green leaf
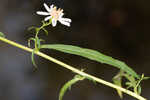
{"points": [[131, 79], [134, 83], [29, 40], [38, 42], [92, 55], [117, 80], [68, 85], [129, 85], [2, 34], [32, 58], [46, 32], [31, 28], [139, 90], [146, 78]]}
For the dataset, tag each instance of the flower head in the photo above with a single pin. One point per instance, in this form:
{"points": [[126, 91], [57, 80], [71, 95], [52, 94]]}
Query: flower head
{"points": [[55, 15]]}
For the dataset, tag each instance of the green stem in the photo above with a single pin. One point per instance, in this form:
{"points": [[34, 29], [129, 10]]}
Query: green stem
{"points": [[37, 32], [73, 69]]}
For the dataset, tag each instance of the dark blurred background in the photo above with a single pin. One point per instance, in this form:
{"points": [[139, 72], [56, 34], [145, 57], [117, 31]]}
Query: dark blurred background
{"points": [[118, 28]]}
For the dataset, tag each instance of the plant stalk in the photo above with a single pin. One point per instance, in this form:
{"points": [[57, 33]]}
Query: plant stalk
{"points": [[73, 69]]}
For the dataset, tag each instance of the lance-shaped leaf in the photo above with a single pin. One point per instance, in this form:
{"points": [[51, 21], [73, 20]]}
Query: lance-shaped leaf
{"points": [[69, 84], [92, 55]]}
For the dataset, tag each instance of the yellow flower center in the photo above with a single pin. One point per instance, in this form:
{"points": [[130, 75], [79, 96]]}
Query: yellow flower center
{"points": [[55, 13]]}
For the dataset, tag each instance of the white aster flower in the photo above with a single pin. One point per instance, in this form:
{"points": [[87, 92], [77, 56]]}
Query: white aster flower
{"points": [[55, 15]]}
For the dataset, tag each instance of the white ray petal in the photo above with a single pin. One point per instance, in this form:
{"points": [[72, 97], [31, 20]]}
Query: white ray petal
{"points": [[47, 18], [46, 7], [54, 22], [42, 13], [64, 23], [52, 6], [66, 20], [61, 15]]}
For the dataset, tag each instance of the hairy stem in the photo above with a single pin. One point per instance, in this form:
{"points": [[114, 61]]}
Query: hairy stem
{"points": [[73, 69]]}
